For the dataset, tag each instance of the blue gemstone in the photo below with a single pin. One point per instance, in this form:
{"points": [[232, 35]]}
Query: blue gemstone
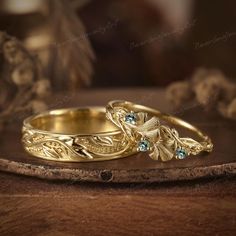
{"points": [[143, 145], [131, 118], [181, 153]]}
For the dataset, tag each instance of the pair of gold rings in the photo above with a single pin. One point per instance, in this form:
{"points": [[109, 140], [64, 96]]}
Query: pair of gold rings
{"points": [[119, 130]]}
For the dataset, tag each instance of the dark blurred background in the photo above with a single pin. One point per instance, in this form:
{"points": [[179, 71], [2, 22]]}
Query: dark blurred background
{"points": [[134, 42]]}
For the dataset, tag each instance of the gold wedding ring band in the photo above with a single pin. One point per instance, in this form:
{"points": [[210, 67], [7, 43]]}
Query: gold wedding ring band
{"points": [[74, 135], [148, 130], [99, 134]]}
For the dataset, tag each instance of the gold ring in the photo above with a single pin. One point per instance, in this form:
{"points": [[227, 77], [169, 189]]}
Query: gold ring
{"points": [[146, 130], [74, 135]]}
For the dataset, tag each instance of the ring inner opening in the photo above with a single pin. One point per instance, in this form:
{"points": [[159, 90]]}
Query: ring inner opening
{"points": [[81, 121]]}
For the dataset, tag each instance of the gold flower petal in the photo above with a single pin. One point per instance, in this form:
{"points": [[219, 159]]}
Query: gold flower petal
{"points": [[165, 153], [153, 123]]}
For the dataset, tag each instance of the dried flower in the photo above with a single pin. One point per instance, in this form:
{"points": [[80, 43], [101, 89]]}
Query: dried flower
{"points": [[210, 88], [38, 106], [231, 110], [228, 91], [13, 53], [179, 93], [42, 87], [23, 74], [199, 75], [21, 71], [203, 74]]}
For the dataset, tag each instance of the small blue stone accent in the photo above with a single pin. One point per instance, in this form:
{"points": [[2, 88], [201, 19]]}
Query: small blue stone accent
{"points": [[131, 118], [181, 153], [143, 145]]}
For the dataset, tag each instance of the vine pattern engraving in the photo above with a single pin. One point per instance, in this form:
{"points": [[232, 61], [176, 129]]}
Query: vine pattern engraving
{"points": [[69, 148]]}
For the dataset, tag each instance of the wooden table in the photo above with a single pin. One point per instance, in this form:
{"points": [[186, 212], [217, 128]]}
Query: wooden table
{"points": [[30, 206]]}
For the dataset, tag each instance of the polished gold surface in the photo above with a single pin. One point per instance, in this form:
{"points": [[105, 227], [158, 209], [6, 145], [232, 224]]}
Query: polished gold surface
{"points": [[74, 135], [73, 121], [146, 130]]}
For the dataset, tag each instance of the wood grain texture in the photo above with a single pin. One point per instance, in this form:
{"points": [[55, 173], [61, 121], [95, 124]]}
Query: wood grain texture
{"points": [[138, 168], [35, 207]]}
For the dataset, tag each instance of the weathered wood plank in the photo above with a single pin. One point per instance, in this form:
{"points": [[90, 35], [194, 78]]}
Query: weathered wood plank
{"points": [[34, 207]]}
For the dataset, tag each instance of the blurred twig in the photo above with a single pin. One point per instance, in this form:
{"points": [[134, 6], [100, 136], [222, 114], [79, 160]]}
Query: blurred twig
{"points": [[72, 54]]}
